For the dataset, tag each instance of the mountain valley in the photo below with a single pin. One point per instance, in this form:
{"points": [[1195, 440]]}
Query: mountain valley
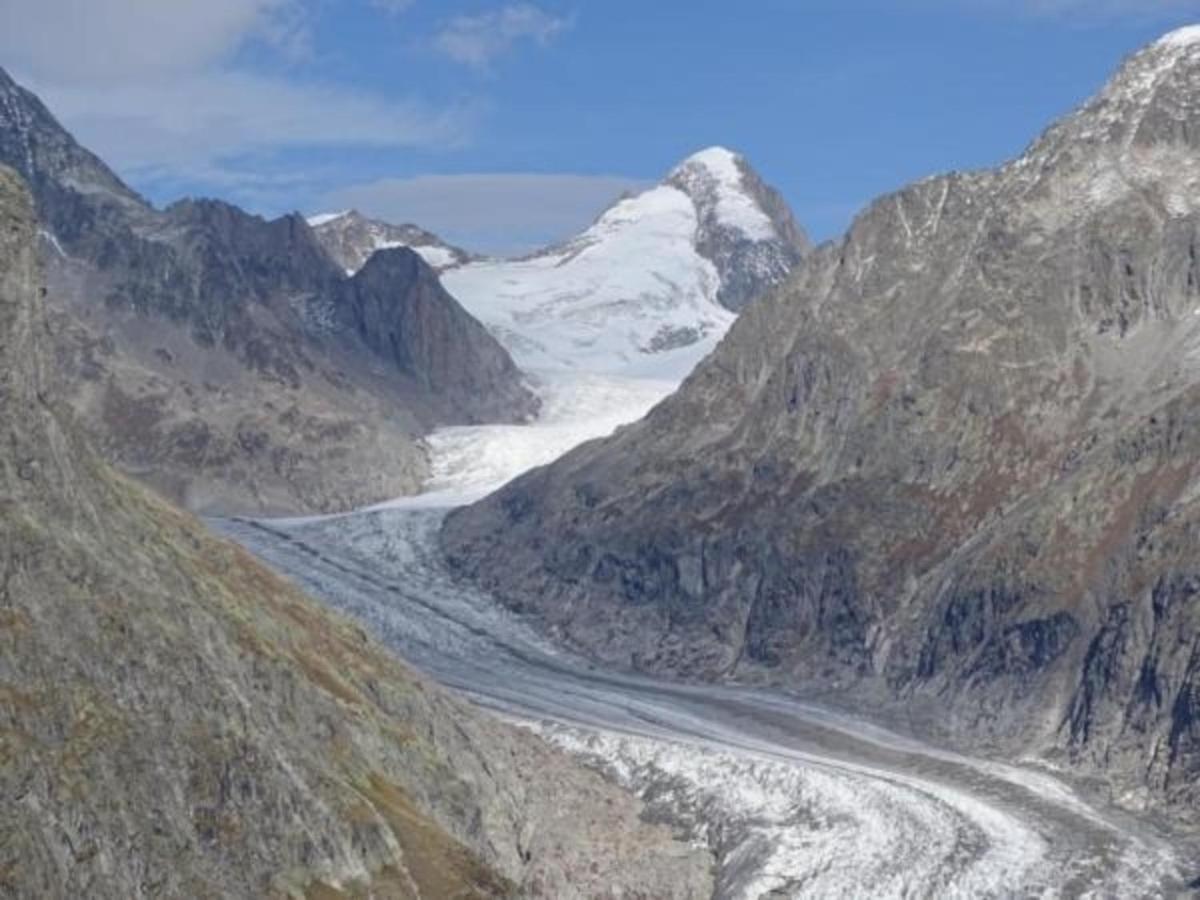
{"points": [[177, 721], [681, 557]]}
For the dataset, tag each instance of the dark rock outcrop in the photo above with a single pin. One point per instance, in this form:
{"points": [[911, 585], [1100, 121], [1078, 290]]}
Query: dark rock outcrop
{"points": [[398, 309], [177, 721], [953, 463], [182, 330]]}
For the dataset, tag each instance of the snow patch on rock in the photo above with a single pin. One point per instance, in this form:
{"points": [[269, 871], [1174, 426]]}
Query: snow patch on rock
{"points": [[1187, 36], [715, 176], [325, 218]]}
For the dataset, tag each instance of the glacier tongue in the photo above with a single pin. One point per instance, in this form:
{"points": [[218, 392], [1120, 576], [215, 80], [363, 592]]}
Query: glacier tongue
{"points": [[471, 461], [793, 799]]}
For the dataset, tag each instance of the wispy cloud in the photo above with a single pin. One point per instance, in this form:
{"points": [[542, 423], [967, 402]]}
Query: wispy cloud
{"points": [[392, 7], [1136, 8], [492, 212], [479, 40], [105, 41], [157, 89], [1090, 10], [202, 118]]}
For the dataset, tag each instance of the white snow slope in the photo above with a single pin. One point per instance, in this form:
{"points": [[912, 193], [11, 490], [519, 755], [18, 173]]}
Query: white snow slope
{"points": [[621, 295], [605, 325], [605, 300], [471, 461]]}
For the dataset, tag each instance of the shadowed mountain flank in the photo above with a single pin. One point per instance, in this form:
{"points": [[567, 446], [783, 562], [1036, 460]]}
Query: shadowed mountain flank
{"points": [[224, 358], [175, 720]]}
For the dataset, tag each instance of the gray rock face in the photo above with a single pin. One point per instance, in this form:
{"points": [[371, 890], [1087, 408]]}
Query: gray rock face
{"points": [[177, 721], [351, 239], [220, 260], [218, 356], [50, 158], [950, 468], [399, 310]]}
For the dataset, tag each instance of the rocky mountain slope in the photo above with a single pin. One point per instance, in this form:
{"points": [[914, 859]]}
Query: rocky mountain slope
{"points": [[652, 285], [228, 360], [177, 721], [952, 467], [350, 238]]}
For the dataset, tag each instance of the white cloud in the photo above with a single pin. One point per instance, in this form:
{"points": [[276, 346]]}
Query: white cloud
{"points": [[154, 86], [478, 40], [492, 212], [114, 40], [196, 119], [393, 7]]}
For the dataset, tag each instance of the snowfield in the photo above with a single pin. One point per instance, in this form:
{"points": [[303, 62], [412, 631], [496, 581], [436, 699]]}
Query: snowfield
{"points": [[629, 286]]}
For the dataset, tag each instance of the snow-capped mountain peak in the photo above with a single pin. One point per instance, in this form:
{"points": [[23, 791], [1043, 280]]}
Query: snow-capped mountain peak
{"points": [[652, 284], [1163, 76], [746, 228], [351, 238], [1187, 36], [649, 287], [714, 179], [715, 157]]}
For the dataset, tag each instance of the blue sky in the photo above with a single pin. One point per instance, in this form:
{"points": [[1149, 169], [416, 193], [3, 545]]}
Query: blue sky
{"points": [[505, 125]]}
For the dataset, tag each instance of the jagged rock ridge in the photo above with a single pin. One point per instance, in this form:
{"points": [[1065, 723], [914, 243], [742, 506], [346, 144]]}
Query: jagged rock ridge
{"points": [[222, 358], [351, 238], [177, 721], [950, 468]]}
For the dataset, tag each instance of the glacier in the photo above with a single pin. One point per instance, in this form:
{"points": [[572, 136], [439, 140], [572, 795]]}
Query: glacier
{"points": [[793, 799]]}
